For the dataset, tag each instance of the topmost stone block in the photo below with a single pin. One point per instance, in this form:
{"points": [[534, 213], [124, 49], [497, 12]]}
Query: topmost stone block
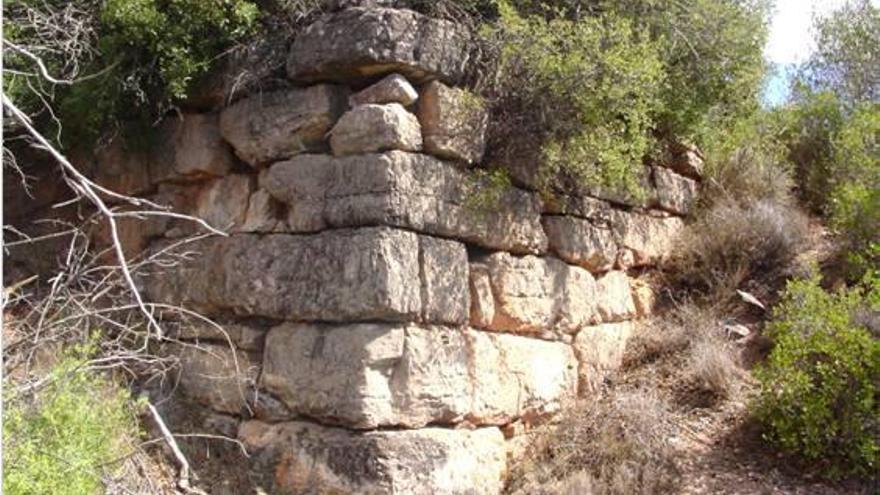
{"points": [[360, 43]]}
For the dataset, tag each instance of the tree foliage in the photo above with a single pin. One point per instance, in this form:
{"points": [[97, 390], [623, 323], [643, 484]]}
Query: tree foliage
{"points": [[847, 55]]}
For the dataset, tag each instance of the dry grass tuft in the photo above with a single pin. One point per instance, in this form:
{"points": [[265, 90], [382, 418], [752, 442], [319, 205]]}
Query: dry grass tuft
{"points": [[616, 445], [713, 368], [732, 244], [749, 176]]}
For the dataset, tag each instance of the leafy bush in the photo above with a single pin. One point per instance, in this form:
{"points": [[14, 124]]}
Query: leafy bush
{"points": [[818, 386], [65, 437], [855, 199], [585, 89], [813, 123], [732, 243]]}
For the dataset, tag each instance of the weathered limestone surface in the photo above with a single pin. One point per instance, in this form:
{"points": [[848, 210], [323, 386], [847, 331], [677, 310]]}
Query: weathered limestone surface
{"points": [[343, 275], [308, 458], [393, 88], [369, 375], [365, 42], [614, 301], [272, 126], [647, 238], [578, 206], [687, 160], [675, 193], [373, 375], [263, 214], [600, 352], [245, 337], [519, 378], [192, 147], [453, 122], [644, 297], [223, 204], [216, 376], [405, 190], [543, 297], [372, 128], [122, 170], [581, 242]]}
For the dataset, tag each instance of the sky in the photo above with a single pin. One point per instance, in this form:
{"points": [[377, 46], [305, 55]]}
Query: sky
{"points": [[790, 40]]}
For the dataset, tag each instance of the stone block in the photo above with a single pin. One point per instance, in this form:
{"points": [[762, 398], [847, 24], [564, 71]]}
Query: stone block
{"points": [[675, 193], [370, 375], [581, 242], [264, 214], [644, 297], [614, 301], [599, 352], [535, 296], [191, 148], [519, 378], [578, 206], [408, 190], [223, 203], [342, 275], [272, 126], [373, 128], [216, 376], [302, 457], [122, 170], [686, 160], [453, 122], [361, 43], [393, 88], [649, 238], [482, 300]]}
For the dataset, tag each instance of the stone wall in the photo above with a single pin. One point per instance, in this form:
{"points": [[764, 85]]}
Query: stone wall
{"points": [[378, 332]]}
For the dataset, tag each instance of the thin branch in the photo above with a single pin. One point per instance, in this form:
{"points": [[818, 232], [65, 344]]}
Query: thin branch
{"points": [[183, 482]]}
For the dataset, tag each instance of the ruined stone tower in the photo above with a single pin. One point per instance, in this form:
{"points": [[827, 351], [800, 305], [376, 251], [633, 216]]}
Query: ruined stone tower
{"points": [[379, 334]]}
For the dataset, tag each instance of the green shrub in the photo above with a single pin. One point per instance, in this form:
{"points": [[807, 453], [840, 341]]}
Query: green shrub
{"points": [[855, 198], [818, 386], [814, 121], [64, 438], [588, 89], [140, 56]]}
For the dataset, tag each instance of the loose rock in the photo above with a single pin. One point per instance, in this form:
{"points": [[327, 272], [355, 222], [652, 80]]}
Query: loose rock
{"points": [[371, 128]]}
